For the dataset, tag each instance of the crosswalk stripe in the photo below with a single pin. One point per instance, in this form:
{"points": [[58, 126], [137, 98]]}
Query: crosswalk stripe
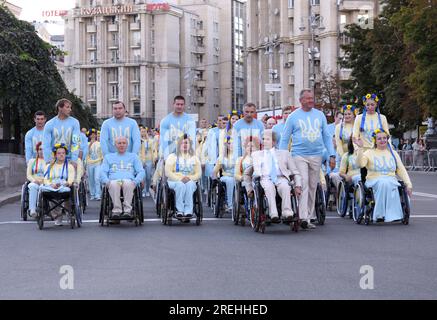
{"points": [[426, 195]]}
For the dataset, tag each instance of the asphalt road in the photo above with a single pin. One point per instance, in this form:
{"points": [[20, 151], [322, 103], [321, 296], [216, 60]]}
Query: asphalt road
{"points": [[221, 261]]}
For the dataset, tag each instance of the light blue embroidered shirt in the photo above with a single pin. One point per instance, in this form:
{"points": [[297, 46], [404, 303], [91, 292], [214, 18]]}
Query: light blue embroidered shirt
{"points": [[65, 131], [172, 128], [33, 136], [309, 132], [113, 128], [117, 166]]}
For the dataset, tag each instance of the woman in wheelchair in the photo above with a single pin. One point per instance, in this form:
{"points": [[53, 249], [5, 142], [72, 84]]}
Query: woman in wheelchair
{"points": [[343, 131], [349, 168], [35, 176], [226, 165], [183, 170], [244, 165], [275, 167], [122, 171], [59, 177], [383, 165]]}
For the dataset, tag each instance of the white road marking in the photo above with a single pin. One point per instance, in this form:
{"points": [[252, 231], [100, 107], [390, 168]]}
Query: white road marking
{"points": [[426, 195]]}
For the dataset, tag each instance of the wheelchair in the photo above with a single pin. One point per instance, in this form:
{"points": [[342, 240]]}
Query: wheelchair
{"points": [[218, 198], [83, 190], [365, 203], [167, 204], [242, 205], [49, 200], [331, 194], [106, 206], [25, 201], [346, 202], [320, 205], [259, 214]]}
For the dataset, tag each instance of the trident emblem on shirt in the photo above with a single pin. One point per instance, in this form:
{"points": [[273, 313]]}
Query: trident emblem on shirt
{"points": [[119, 133], [63, 137], [309, 132], [383, 166]]}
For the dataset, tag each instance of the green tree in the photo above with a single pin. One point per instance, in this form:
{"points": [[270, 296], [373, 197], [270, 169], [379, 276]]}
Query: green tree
{"points": [[29, 79], [418, 23]]}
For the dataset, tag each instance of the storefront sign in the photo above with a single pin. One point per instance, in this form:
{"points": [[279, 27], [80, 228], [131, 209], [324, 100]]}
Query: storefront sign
{"points": [[98, 11], [158, 7], [54, 13]]}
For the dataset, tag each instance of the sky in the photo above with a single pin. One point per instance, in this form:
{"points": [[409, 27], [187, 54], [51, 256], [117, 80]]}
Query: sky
{"points": [[32, 10]]}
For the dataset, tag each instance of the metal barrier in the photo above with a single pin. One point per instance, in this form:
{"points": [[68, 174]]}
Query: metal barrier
{"points": [[415, 160]]}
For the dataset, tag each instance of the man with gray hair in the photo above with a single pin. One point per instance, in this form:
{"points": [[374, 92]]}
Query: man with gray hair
{"points": [[122, 170], [308, 129], [276, 168]]}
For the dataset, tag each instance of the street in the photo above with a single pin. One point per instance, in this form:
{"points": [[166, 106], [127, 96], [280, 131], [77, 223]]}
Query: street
{"points": [[221, 261]]}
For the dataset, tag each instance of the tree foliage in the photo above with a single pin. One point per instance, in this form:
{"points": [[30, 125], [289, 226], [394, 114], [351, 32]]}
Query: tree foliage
{"points": [[29, 79], [396, 59]]}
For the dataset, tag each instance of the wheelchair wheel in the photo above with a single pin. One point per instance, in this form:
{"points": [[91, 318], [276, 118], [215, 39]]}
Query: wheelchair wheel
{"points": [[294, 225], [257, 212], [158, 197], [82, 197], [40, 211], [236, 205], [162, 200], [76, 210], [405, 204], [359, 203], [198, 205], [217, 202], [320, 207], [342, 201], [24, 201], [103, 207]]}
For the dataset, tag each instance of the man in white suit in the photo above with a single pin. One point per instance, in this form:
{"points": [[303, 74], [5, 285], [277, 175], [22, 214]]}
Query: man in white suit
{"points": [[275, 168]]}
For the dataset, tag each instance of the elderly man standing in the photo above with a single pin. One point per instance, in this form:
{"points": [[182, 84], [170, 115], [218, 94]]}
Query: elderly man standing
{"points": [[308, 129], [122, 170]]}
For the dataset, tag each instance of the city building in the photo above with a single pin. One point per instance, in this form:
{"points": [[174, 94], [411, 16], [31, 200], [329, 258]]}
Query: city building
{"points": [[144, 54], [291, 44], [16, 10]]}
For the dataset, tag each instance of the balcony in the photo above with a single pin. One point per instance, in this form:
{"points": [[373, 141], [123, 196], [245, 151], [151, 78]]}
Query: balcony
{"points": [[291, 80], [136, 45], [356, 5], [113, 27], [113, 45], [136, 26], [345, 74], [200, 50], [201, 83], [92, 98], [91, 28], [92, 46], [200, 100], [200, 33], [290, 12]]}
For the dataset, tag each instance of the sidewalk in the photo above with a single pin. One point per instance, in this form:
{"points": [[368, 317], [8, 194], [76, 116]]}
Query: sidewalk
{"points": [[10, 195]]}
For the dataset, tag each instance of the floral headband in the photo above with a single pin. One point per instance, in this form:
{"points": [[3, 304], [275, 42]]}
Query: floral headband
{"points": [[59, 146], [91, 131], [350, 107], [370, 96], [377, 131]]}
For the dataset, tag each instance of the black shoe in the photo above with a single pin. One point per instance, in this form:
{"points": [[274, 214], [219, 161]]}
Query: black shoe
{"points": [[313, 220], [304, 225], [380, 220], [275, 220], [115, 216], [287, 219], [188, 215], [179, 215]]}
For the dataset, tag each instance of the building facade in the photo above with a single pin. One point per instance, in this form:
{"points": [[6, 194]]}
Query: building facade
{"points": [[145, 53], [291, 43], [16, 10]]}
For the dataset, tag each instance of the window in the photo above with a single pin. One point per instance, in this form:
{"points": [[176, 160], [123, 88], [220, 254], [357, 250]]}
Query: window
{"points": [[216, 76], [92, 92], [216, 59], [136, 53], [136, 74], [114, 56], [114, 91], [93, 108], [315, 2], [343, 19], [93, 56], [216, 42], [114, 38], [136, 38], [113, 75], [92, 75], [216, 27], [290, 4], [137, 107], [93, 42], [137, 90]]}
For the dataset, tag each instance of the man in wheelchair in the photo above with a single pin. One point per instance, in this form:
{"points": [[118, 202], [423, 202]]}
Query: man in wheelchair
{"points": [[58, 178], [275, 168], [121, 171]]}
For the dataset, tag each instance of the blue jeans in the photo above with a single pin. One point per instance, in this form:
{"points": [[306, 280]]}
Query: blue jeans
{"points": [[230, 184], [33, 196], [94, 181], [184, 195]]}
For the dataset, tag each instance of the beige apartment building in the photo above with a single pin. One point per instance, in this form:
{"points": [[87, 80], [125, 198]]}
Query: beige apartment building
{"points": [[16, 10], [145, 53], [290, 43]]}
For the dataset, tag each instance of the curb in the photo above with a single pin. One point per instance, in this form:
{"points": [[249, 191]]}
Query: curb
{"points": [[11, 199]]}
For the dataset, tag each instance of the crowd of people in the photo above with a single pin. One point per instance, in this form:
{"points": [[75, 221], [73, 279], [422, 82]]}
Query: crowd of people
{"points": [[238, 147]]}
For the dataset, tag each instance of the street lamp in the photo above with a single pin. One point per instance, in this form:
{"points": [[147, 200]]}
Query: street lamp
{"points": [[316, 23]]}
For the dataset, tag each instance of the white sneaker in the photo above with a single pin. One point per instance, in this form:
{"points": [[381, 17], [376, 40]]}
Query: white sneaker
{"points": [[147, 194], [58, 221], [311, 226], [33, 215]]}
